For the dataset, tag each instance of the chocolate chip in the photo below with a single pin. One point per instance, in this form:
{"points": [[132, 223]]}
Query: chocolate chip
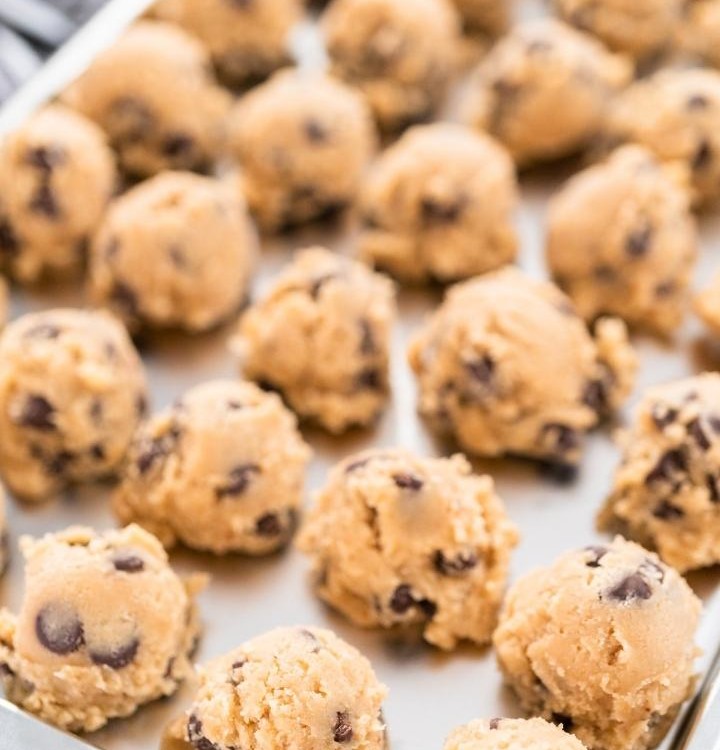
{"points": [[59, 629], [407, 481], [561, 472], [128, 562], [663, 415], [711, 482], [57, 463], [195, 736], [669, 465], [177, 256], [666, 511], [638, 242], [38, 414], [355, 465], [596, 555], [9, 243], [315, 131], [633, 587], [45, 158], [402, 600], [564, 439], [342, 729], [697, 101], [494, 723], [665, 288], [458, 564], [481, 369], [177, 145], [125, 298], [595, 396], [116, 657], [43, 202], [141, 405], [437, 212], [239, 479], [696, 432], [367, 338], [369, 379], [155, 449], [650, 567], [43, 331], [130, 119], [268, 525], [319, 282], [605, 274], [563, 720], [702, 157]]}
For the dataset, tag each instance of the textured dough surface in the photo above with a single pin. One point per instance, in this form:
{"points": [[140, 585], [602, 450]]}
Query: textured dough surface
{"points": [[399, 540], [684, 126], [401, 56], [439, 204], [666, 492], [485, 16], [303, 141], [622, 240], [175, 251], [105, 626], [222, 470], [57, 174], [300, 688], [601, 641], [246, 40], [544, 89], [640, 28], [72, 389], [321, 336], [700, 30], [153, 94], [511, 734], [505, 365]]}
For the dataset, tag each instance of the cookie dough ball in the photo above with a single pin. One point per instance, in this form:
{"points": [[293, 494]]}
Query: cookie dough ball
{"points": [[400, 540], [303, 141], [685, 122], [700, 31], [154, 96], [72, 390], [221, 470], [707, 304], [401, 55], [602, 643], [666, 492], [506, 366], [105, 626], [246, 40], [640, 28], [520, 734], [439, 205], [622, 240], [300, 688], [57, 174], [544, 89], [176, 251], [321, 336], [490, 17]]}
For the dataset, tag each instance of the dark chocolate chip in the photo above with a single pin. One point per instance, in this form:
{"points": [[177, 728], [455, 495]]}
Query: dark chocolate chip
{"points": [[43, 331], [57, 463], [342, 729], [663, 415], [141, 405], [38, 414], [369, 380], [665, 288], [632, 588], [481, 369], [156, 449], [668, 466], [268, 525], [564, 439], [195, 736], [563, 720], [702, 157], [595, 396], [44, 202], [97, 451], [407, 481], [638, 242], [711, 482], [116, 657], [402, 600], [125, 298], [494, 723], [650, 567], [315, 131], [130, 119], [238, 481], [454, 565], [666, 511], [128, 562], [697, 101], [319, 282], [367, 338], [45, 158], [437, 212], [597, 553], [561, 472], [59, 629], [696, 432], [355, 465], [9, 243], [605, 274], [178, 145]]}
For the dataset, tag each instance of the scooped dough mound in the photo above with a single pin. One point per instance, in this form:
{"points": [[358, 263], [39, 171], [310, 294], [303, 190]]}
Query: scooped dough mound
{"points": [[511, 734]]}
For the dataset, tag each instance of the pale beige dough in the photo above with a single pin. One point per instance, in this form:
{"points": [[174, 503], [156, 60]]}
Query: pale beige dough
{"points": [[621, 240], [602, 642], [506, 366], [72, 389], [321, 336], [401, 55], [4, 537], [247, 40], [706, 304], [105, 626], [303, 141], [699, 32], [154, 95], [666, 492], [490, 17], [57, 174], [222, 469], [544, 89], [640, 28], [176, 251], [438, 205], [300, 688], [676, 114], [511, 734], [399, 540]]}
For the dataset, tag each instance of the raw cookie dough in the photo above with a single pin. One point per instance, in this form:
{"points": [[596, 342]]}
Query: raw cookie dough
{"points": [[622, 240], [602, 643], [175, 251], [511, 734], [438, 205], [246, 40], [640, 28], [707, 304], [685, 122], [222, 470], [72, 390], [401, 55], [301, 688], [321, 336], [105, 626], [700, 30], [666, 492], [485, 16], [153, 94], [303, 141], [398, 540], [543, 90], [57, 174], [505, 365]]}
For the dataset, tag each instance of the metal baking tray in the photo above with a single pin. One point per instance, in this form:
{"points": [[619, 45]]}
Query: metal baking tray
{"points": [[430, 692]]}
